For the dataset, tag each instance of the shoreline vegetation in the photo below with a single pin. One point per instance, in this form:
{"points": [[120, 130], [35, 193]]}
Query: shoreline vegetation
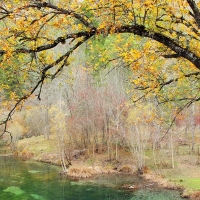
{"points": [[88, 165]]}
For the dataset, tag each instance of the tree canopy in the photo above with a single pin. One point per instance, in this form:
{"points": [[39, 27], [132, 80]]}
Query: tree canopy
{"points": [[157, 39]]}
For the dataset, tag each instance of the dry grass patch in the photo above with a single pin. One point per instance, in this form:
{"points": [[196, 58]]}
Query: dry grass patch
{"points": [[87, 171], [26, 154], [126, 169], [109, 170], [81, 171], [195, 195]]}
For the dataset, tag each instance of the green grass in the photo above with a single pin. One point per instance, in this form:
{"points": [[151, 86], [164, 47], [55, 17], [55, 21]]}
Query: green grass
{"points": [[190, 183], [37, 144]]}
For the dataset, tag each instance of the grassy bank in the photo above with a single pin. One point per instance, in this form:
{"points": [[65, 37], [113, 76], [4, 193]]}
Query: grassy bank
{"points": [[46, 150], [39, 149], [185, 175]]}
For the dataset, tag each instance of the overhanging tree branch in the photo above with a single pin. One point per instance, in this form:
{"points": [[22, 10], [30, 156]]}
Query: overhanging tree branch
{"points": [[41, 81], [196, 11], [162, 84], [176, 79], [39, 5], [54, 43], [175, 55], [42, 7], [143, 32]]}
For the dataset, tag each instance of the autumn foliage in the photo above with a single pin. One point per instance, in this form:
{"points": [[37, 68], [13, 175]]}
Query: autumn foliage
{"points": [[156, 43]]}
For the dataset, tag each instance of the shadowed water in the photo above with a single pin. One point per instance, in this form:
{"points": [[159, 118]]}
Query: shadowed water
{"points": [[25, 180]]}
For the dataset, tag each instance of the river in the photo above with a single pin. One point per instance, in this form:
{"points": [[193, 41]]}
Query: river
{"points": [[26, 180]]}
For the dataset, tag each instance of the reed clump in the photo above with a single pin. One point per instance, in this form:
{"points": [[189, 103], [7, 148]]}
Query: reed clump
{"points": [[82, 171], [87, 171]]}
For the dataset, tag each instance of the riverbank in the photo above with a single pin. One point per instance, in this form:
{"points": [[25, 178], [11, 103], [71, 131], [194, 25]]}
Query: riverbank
{"points": [[35, 180], [185, 176], [85, 161]]}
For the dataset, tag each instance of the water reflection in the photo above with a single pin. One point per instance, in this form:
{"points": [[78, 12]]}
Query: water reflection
{"points": [[30, 180]]}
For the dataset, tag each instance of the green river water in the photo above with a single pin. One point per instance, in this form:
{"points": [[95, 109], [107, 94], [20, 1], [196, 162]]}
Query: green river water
{"points": [[26, 180]]}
